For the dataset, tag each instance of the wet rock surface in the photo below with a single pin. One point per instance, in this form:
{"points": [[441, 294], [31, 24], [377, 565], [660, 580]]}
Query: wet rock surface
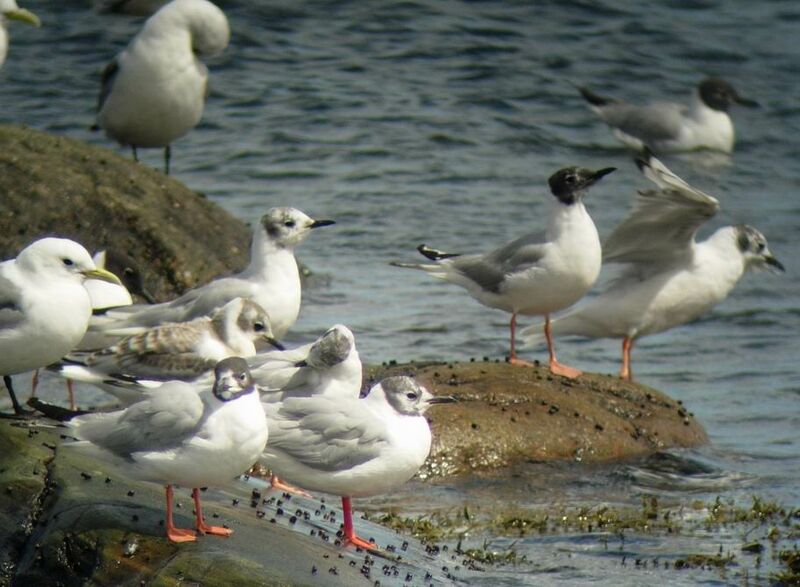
{"points": [[75, 521], [55, 186], [508, 414]]}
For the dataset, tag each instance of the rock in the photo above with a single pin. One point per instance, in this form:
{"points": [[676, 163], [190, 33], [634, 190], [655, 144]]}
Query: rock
{"points": [[71, 520], [508, 414], [56, 186]]}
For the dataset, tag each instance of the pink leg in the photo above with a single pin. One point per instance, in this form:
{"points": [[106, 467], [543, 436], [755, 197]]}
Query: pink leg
{"points": [[71, 393], [625, 372], [173, 533], [349, 532], [34, 382], [512, 358], [279, 485], [201, 525], [555, 367]]}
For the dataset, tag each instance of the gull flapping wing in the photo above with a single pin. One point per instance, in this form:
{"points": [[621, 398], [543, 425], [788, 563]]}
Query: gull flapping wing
{"points": [[662, 225]]}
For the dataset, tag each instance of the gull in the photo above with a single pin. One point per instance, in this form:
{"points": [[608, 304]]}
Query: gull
{"points": [[44, 308], [669, 278], [330, 367], [351, 447], [104, 295], [536, 274], [272, 280], [154, 91], [176, 350], [671, 127], [182, 435], [10, 11]]}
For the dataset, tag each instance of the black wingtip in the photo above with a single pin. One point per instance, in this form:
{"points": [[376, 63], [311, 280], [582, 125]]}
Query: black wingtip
{"points": [[592, 98], [434, 254], [644, 158]]}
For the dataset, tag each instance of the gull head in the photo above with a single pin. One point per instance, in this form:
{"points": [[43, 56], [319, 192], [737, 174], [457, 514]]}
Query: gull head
{"points": [[126, 269], [331, 348], [755, 250], [60, 258], [204, 22], [245, 317], [287, 227], [570, 184], [10, 11], [232, 379], [408, 397], [720, 95]]}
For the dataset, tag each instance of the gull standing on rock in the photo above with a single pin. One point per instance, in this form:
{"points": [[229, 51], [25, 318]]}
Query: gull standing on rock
{"points": [[155, 90], [179, 434], [670, 278], [175, 350], [536, 274], [44, 308], [670, 127], [351, 447], [10, 11], [272, 280]]}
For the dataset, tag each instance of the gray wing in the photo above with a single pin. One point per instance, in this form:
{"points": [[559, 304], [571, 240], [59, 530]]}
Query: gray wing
{"points": [[323, 433], [662, 225], [107, 83], [490, 270], [650, 124], [166, 418], [10, 294]]}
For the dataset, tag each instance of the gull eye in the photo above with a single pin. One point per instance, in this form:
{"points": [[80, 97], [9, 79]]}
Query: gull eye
{"points": [[258, 326], [289, 224], [242, 376], [411, 396], [67, 262]]}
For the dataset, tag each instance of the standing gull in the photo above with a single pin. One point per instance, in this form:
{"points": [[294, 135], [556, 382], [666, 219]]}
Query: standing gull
{"points": [[154, 91], [180, 435], [175, 350], [10, 11], [351, 447], [272, 280], [670, 278], [44, 308], [670, 127], [537, 273]]}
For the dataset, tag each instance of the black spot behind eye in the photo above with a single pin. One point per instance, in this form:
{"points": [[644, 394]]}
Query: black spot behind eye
{"points": [[67, 262]]}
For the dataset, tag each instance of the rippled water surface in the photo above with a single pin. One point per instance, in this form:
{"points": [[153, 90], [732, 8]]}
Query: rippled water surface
{"points": [[439, 122]]}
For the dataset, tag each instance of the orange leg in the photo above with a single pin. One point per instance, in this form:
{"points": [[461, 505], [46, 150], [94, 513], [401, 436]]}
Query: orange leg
{"points": [[283, 486], [625, 372], [555, 367], [512, 357], [349, 532], [173, 533], [201, 525]]}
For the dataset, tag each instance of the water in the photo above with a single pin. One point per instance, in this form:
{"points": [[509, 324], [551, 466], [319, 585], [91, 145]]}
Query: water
{"points": [[439, 122]]}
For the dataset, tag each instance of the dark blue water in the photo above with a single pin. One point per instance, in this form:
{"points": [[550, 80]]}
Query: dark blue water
{"points": [[439, 122]]}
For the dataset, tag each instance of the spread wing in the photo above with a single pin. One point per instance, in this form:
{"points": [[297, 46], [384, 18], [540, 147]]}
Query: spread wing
{"points": [[165, 419], [324, 433], [662, 225]]}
